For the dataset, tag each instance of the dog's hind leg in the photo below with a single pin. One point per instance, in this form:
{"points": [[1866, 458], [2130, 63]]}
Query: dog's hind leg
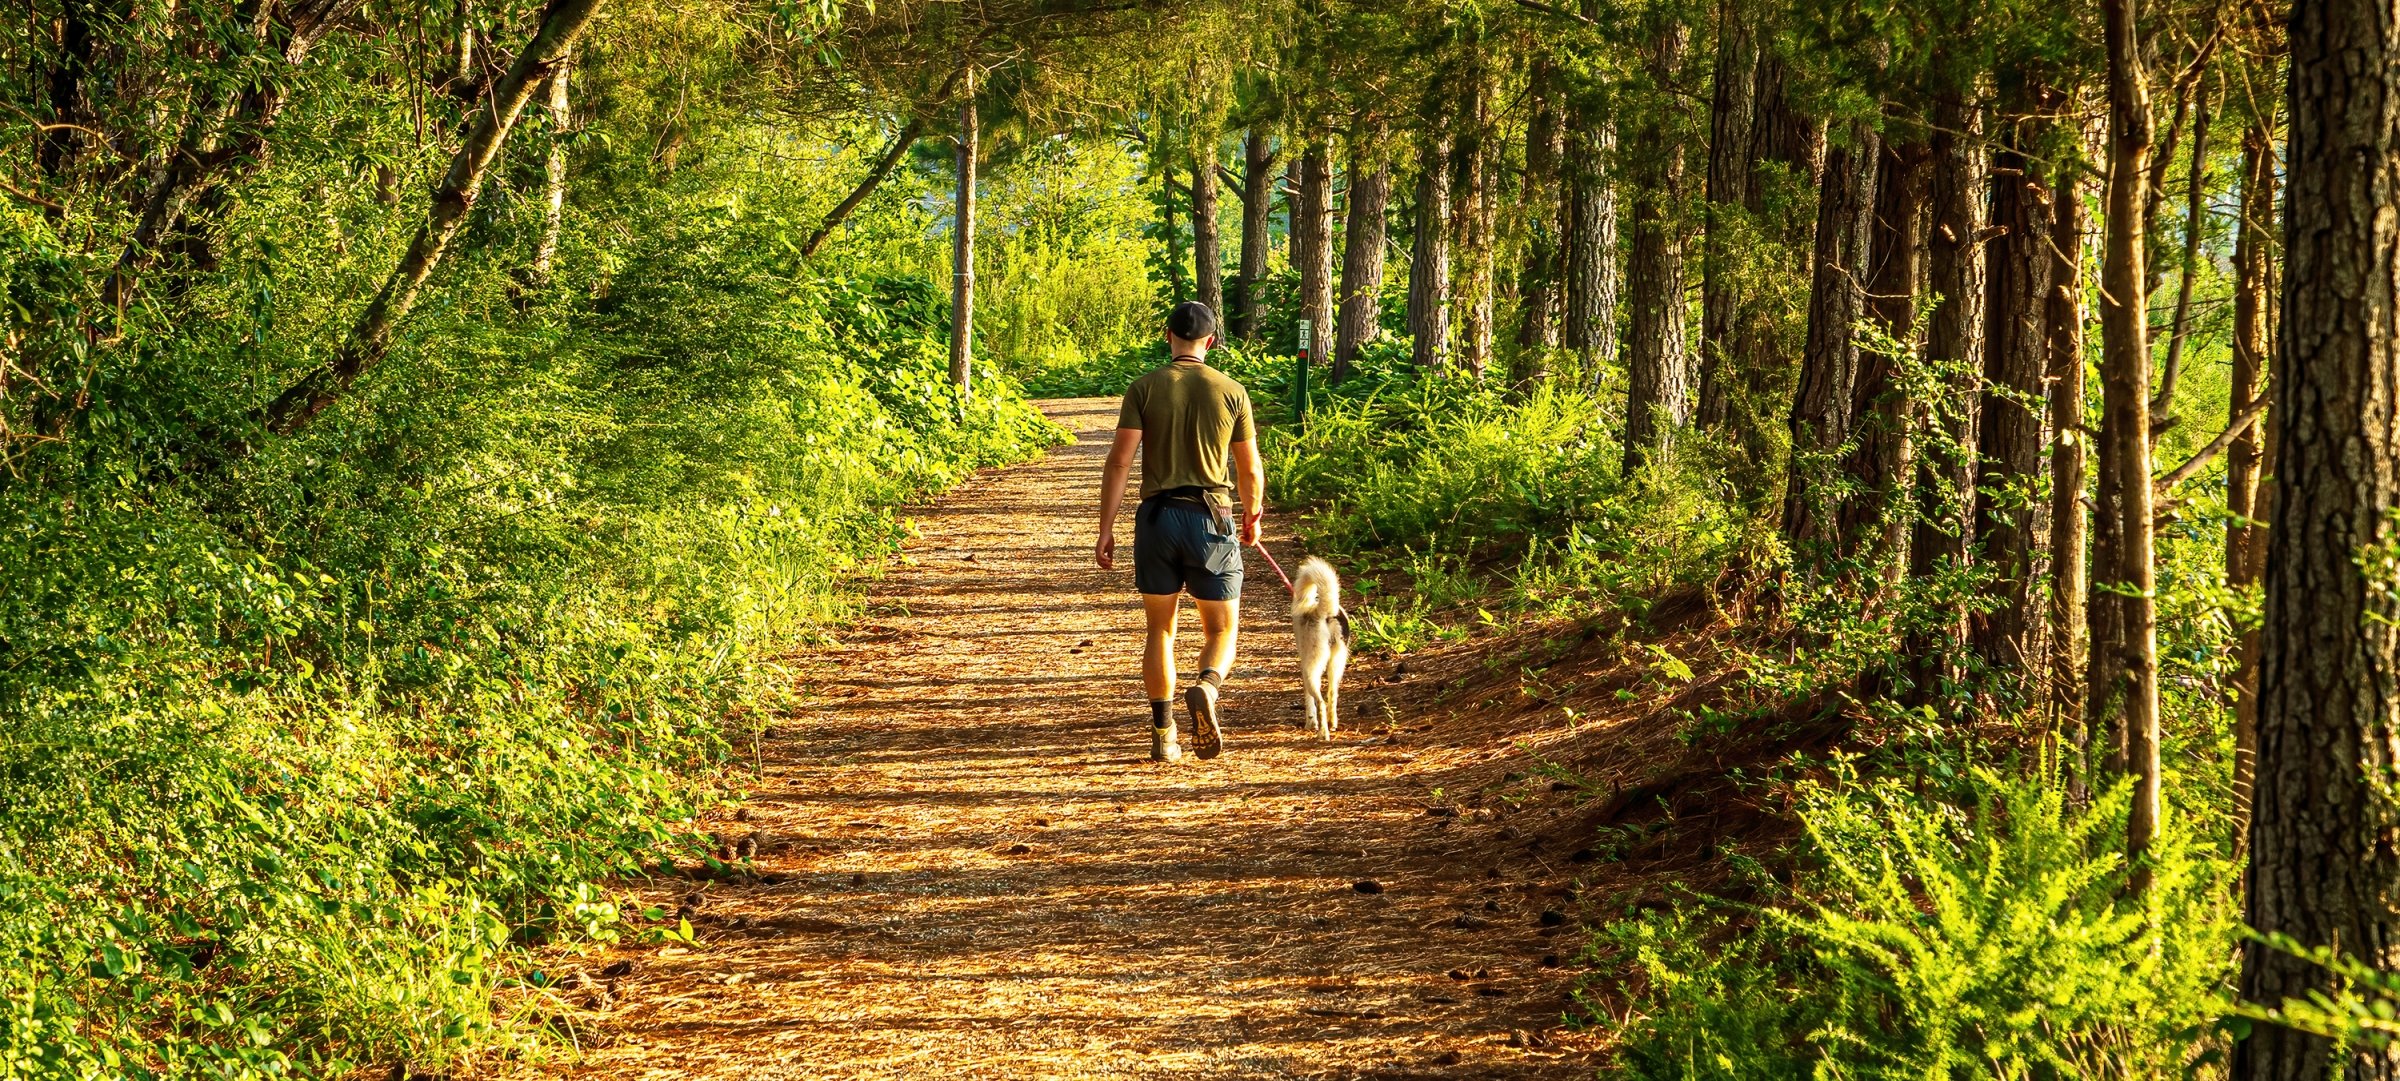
{"points": [[1333, 683], [1311, 670]]}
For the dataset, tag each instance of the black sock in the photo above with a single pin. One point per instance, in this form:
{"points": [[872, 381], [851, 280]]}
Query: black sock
{"points": [[1211, 678], [1158, 713]]}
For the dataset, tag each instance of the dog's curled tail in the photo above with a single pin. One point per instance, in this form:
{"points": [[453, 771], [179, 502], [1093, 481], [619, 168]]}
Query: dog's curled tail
{"points": [[1316, 590]]}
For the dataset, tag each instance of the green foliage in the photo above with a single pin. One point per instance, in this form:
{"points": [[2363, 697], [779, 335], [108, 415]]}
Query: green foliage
{"points": [[1441, 477], [1980, 935], [1064, 274], [306, 747]]}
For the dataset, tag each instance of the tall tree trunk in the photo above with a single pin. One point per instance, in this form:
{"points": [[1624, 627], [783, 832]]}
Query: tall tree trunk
{"points": [[554, 177], [1208, 258], [1170, 232], [2195, 221], [1312, 245], [2016, 356], [1732, 114], [908, 135], [370, 337], [1756, 384], [2245, 461], [2124, 668], [1429, 259], [1837, 301], [962, 248], [1473, 217], [55, 150], [1538, 205], [1946, 464], [2070, 448], [1658, 387], [1881, 409], [1588, 319], [2324, 868], [1258, 198], [1362, 251]]}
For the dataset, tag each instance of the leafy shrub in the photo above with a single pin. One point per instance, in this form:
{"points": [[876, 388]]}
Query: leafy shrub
{"points": [[1437, 473], [1984, 935]]}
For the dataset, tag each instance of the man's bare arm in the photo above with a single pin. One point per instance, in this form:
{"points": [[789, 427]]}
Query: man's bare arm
{"points": [[1112, 494], [1249, 486]]}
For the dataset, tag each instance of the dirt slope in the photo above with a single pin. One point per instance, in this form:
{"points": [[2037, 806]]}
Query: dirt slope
{"points": [[972, 870]]}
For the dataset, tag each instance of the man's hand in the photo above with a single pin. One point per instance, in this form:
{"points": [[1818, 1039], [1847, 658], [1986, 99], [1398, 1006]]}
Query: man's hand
{"points": [[1105, 551], [1250, 524]]}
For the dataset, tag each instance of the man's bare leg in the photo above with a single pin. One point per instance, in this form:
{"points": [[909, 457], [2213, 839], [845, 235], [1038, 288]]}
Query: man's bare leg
{"points": [[1158, 671], [1218, 620]]}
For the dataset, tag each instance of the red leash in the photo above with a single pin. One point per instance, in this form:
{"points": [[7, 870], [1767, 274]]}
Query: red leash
{"points": [[1261, 545]]}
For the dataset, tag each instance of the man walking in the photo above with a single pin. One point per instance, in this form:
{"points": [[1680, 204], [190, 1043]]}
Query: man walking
{"points": [[1199, 461]]}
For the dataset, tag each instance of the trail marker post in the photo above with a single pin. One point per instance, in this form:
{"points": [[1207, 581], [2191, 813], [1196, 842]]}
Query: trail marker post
{"points": [[1300, 377]]}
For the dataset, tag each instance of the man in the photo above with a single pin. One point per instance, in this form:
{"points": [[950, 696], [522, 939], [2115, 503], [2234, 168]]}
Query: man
{"points": [[1199, 460]]}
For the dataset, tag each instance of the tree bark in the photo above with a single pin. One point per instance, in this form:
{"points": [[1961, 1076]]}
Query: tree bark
{"points": [[1754, 383], [1312, 245], [1258, 179], [1732, 115], [1837, 301], [370, 337], [1658, 388], [2016, 349], [1360, 313], [907, 136], [1943, 530], [55, 150], [2124, 615], [1538, 206], [1429, 259], [2245, 461], [1881, 409], [1208, 259], [962, 249], [554, 178], [2324, 868], [2195, 221], [2070, 447], [1588, 319], [1472, 213]]}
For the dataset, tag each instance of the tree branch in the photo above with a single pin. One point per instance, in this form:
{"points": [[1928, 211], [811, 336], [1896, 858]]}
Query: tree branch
{"points": [[2207, 454], [371, 337], [1555, 12], [883, 167]]}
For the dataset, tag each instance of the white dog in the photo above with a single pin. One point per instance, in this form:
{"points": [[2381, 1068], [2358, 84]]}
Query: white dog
{"points": [[1322, 631]]}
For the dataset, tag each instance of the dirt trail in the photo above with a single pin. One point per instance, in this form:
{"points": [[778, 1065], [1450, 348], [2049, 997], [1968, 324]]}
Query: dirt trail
{"points": [[973, 870]]}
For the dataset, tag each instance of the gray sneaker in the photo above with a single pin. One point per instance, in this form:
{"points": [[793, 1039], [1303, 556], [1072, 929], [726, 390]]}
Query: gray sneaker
{"points": [[1208, 740], [1162, 742]]}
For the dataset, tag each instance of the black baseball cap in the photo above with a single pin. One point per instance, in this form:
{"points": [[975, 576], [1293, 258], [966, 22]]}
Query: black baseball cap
{"points": [[1192, 321]]}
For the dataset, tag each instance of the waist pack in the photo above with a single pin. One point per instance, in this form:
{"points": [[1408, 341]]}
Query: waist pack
{"points": [[1194, 497]]}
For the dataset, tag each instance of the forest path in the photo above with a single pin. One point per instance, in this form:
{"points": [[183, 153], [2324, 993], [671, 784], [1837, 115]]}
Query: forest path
{"points": [[974, 871]]}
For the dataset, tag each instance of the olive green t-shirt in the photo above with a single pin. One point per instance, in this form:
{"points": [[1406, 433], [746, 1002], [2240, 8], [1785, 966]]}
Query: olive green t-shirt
{"points": [[1190, 415]]}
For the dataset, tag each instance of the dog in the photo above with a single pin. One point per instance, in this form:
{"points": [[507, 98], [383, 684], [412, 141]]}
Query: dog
{"points": [[1321, 630]]}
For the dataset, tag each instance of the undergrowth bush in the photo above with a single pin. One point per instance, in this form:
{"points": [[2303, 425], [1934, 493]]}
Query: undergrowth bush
{"points": [[1467, 491], [1987, 932]]}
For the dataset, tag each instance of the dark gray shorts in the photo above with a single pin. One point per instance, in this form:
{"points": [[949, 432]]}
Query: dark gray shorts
{"points": [[1176, 547]]}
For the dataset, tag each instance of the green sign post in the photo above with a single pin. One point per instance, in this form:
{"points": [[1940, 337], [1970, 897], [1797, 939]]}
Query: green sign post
{"points": [[1300, 378]]}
